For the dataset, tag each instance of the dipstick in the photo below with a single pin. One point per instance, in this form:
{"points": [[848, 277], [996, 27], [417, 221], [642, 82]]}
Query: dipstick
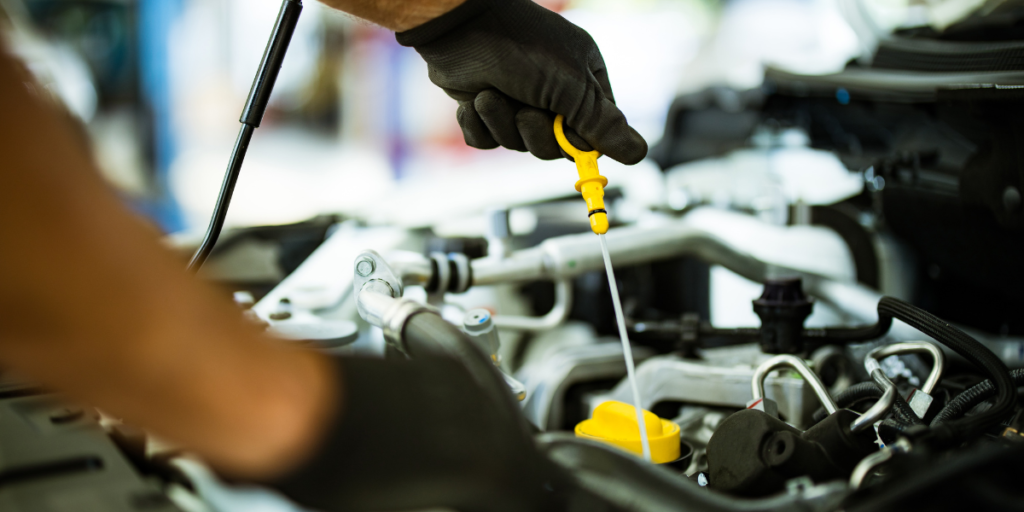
{"points": [[591, 184]]}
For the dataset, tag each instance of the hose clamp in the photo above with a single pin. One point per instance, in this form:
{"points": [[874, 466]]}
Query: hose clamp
{"points": [[397, 316]]}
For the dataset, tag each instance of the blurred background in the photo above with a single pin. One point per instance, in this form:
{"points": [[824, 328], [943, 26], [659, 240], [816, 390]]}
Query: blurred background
{"points": [[160, 85], [355, 130]]}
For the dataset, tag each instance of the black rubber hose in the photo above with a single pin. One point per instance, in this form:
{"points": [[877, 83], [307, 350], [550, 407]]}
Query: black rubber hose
{"points": [[844, 335], [903, 419], [850, 396], [964, 345], [901, 411], [426, 335], [970, 397], [971, 350], [903, 414]]}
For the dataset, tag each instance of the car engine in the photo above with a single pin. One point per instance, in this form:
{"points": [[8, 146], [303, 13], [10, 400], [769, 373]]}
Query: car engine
{"points": [[821, 280]]}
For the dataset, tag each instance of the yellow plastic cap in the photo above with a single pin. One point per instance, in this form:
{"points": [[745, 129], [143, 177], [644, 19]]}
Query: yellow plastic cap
{"points": [[615, 423]]}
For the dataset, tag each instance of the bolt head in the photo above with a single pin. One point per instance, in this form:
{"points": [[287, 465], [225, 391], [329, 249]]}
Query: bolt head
{"points": [[365, 267]]}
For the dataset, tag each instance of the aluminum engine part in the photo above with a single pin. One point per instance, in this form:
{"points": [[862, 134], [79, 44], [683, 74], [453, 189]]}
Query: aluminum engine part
{"points": [[547, 380], [673, 379]]}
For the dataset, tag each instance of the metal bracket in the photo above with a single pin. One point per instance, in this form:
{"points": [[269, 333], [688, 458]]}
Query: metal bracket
{"points": [[371, 269]]}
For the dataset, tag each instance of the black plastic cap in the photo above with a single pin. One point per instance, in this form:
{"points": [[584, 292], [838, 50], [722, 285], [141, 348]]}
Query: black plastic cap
{"points": [[783, 292]]}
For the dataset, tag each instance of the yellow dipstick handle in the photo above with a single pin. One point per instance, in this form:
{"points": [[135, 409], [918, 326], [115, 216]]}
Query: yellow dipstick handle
{"points": [[591, 183]]}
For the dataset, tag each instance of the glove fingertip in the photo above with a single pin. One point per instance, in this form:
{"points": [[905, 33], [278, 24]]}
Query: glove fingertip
{"points": [[628, 148]]}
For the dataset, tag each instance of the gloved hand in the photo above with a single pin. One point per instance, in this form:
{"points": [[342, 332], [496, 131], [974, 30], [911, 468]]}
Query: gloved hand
{"points": [[512, 65]]}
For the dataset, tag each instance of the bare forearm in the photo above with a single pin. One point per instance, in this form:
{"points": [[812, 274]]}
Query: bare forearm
{"points": [[92, 306], [397, 15]]}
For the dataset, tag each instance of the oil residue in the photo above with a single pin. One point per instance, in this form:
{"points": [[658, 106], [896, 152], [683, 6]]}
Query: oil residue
{"points": [[626, 350]]}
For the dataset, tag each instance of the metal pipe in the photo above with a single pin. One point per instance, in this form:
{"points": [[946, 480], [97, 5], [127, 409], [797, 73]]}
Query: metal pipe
{"points": [[559, 312], [788, 361], [390, 314], [413, 268], [569, 256], [881, 407], [867, 464], [915, 347]]}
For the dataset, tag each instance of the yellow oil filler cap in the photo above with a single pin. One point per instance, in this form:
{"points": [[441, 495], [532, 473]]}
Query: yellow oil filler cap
{"points": [[615, 423]]}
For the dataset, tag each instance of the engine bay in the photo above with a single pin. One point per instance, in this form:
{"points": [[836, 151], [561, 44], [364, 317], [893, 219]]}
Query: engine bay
{"points": [[821, 284]]}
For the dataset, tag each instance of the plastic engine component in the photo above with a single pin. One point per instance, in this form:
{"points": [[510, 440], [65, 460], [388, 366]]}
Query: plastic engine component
{"points": [[615, 423]]}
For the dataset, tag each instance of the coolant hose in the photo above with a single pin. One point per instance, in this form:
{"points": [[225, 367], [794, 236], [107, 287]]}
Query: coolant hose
{"points": [[973, 396]]}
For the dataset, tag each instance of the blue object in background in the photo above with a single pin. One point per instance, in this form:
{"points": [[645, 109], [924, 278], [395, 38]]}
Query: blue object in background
{"points": [[155, 19], [843, 96], [397, 143]]}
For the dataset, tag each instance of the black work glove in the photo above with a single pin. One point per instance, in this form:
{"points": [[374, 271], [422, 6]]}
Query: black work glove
{"points": [[512, 65]]}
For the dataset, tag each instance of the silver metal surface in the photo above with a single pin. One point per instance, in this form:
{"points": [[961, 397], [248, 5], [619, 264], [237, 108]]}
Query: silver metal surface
{"points": [[881, 407], [499, 233], [412, 268], [548, 379], [671, 378], [365, 267], [377, 289], [920, 402], [559, 312], [517, 388], [867, 464], [378, 297], [569, 256], [788, 361], [322, 332], [388, 313], [370, 266], [915, 347]]}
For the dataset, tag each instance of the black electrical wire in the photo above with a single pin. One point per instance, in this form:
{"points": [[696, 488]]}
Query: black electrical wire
{"points": [[961, 343], [850, 396], [902, 414], [970, 397], [252, 115], [964, 345]]}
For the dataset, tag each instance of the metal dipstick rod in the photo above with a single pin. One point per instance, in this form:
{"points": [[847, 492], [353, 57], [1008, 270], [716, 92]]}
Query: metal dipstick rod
{"points": [[252, 115]]}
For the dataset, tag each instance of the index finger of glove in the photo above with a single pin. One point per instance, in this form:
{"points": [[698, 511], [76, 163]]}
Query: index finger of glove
{"points": [[604, 126]]}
